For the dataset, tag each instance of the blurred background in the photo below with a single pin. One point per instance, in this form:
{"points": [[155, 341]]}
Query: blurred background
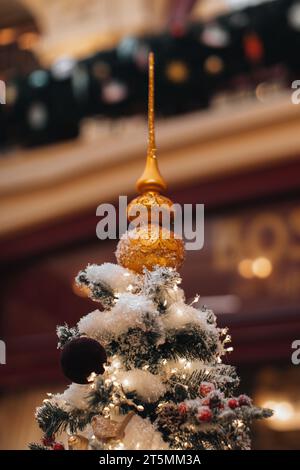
{"points": [[73, 135]]}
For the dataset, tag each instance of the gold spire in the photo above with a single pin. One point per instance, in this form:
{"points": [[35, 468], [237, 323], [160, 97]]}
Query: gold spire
{"points": [[151, 179]]}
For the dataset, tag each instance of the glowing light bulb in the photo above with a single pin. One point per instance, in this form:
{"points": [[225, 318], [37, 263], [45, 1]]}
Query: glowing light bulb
{"points": [[245, 269], [262, 267]]}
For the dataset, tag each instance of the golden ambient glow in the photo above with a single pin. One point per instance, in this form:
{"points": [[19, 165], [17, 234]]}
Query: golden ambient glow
{"points": [[28, 40], [245, 268], [262, 267], [7, 36], [286, 415]]}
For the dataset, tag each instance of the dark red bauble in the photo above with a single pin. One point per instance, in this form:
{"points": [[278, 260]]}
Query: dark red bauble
{"points": [[82, 356], [204, 414], [182, 409], [58, 446], [233, 403], [205, 388], [244, 400]]}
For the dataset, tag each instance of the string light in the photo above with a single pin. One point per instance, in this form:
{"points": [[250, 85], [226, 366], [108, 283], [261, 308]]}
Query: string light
{"points": [[116, 363], [119, 446]]}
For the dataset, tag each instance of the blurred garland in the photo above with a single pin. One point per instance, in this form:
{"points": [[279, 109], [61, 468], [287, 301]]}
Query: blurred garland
{"points": [[233, 52]]}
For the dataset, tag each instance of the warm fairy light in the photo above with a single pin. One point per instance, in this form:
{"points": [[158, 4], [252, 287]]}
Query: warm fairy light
{"points": [[119, 446], [126, 382], [130, 287], [239, 423], [126, 274], [7, 36], [116, 363], [245, 268], [262, 267], [229, 349]]}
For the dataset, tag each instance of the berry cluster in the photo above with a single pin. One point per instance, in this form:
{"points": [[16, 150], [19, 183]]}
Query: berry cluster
{"points": [[49, 441], [210, 403]]}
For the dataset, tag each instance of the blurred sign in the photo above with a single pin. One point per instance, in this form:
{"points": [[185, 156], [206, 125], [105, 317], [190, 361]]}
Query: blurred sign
{"points": [[254, 255]]}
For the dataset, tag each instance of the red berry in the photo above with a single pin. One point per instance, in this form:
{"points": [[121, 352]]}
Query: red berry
{"points": [[244, 400], [48, 440], [204, 414], [205, 388], [182, 408], [58, 446], [233, 403], [205, 402]]}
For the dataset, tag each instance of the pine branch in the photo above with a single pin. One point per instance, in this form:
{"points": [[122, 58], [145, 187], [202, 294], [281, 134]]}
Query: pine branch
{"points": [[52, 419], [157, 282], [99, 292], [190, 342], [223, 376], [35, 446], [66, 334]]}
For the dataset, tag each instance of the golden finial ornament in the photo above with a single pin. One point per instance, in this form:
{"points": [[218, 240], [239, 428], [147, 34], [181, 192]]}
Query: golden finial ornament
{"points": [[151, 179], [149, 244]]}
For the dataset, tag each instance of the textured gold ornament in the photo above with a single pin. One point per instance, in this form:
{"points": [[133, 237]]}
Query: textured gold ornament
{"points": [[76, 442], [148, 246], [152, 201], [106, 429]]}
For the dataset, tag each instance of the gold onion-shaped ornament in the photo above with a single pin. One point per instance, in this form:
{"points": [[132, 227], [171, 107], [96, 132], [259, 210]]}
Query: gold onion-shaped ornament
{"points": [[149, 244]]}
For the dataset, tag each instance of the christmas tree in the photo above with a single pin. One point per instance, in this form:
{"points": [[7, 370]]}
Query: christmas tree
{"points": [[146, 369]]}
